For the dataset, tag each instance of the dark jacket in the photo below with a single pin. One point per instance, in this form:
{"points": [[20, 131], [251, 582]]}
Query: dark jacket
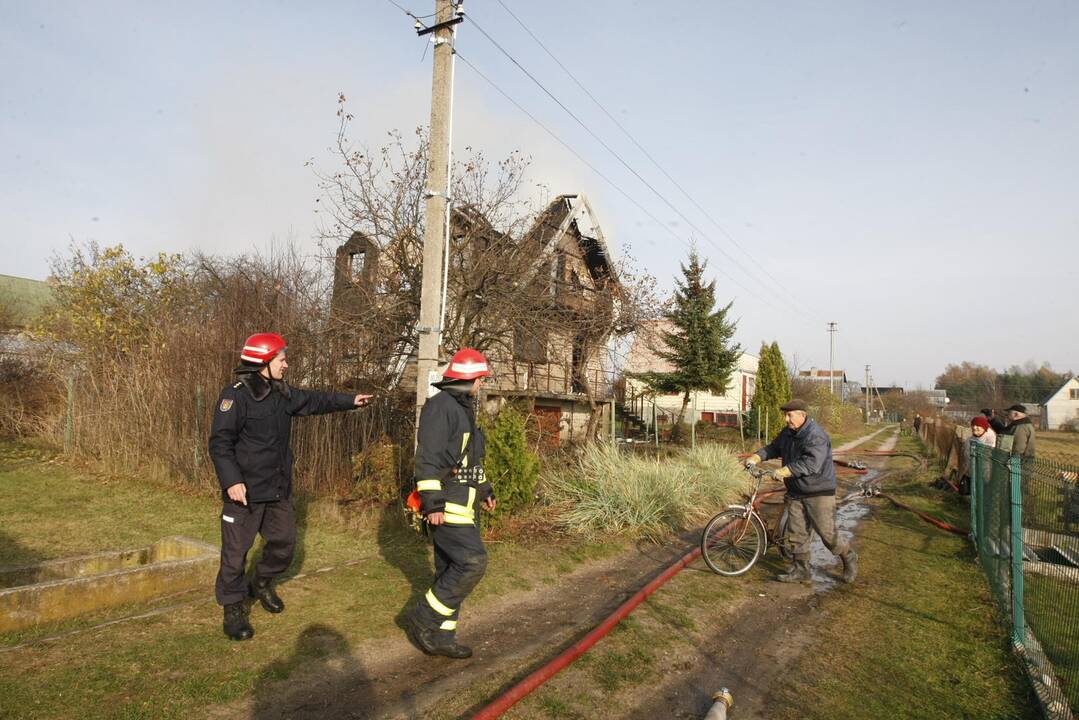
{"points": [[1022, 432], [997, 426], [808, 454], [252, 429], [449, 458]]}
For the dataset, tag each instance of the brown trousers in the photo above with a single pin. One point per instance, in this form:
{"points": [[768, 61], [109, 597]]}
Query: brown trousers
{"points": [[809, 514]]}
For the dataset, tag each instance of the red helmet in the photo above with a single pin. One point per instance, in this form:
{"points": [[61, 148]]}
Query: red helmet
{"points": [[467, 364], [261, 348]]}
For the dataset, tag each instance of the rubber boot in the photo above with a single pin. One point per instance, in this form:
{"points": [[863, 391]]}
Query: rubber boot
{"points": [[236, 625], [449, 647], [263, 591], [850, 566], [421, 636], [798, 572]]}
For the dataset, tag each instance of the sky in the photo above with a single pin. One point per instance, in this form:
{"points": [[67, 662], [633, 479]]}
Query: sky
{"points": [[908, 170]]}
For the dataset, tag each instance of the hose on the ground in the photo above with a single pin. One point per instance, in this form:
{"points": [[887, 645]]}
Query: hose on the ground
{"points": [[928, 518], [508, 699]]}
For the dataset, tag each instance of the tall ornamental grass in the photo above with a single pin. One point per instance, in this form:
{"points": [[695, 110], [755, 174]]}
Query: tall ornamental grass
{"points": [[613, 491]]}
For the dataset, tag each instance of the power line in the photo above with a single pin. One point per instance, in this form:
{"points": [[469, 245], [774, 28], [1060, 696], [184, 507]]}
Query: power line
{"points": [[639, 146], [618, 157], [600, 174]]}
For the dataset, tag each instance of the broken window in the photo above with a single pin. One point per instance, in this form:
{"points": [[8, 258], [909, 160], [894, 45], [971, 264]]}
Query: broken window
{"points": [[356, 261]]}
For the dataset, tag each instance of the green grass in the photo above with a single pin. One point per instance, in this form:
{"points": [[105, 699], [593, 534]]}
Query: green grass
{"points": [[171, 665], [917, 636]]}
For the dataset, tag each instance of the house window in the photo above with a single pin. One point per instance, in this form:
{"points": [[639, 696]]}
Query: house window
{"points": [[1074, 393], [355, 265]]}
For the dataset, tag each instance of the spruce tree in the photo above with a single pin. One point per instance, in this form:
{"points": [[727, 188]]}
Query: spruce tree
{"points": [[699, 344]]}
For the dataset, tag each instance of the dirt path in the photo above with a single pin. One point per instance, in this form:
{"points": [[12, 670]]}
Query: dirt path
{"points": [[757, 644], [391, 679]]}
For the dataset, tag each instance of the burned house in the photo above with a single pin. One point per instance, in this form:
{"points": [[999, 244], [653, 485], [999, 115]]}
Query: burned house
{"points": [[540, 306]]}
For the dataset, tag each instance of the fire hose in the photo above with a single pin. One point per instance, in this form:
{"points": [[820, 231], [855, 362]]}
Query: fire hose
{"points": [[508, 699]]}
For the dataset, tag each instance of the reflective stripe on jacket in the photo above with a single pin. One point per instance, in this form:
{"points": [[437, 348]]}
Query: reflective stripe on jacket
{"points": [[449, 473]]}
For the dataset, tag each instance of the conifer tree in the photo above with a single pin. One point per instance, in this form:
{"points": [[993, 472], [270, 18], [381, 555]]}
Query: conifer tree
{"points": [[700, 343], [772, 390]]}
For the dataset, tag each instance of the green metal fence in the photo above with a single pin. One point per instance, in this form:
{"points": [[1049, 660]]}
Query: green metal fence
{"points": [[1025, 523]]}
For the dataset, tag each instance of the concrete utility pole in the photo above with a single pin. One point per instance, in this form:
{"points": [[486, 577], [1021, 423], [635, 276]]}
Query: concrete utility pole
{"points": [[867, 393], [832, 329], [437, 216]]}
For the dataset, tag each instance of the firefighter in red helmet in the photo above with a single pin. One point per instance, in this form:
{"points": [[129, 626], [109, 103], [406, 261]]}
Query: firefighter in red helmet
{"points": [[251, 452], [452, 488]]}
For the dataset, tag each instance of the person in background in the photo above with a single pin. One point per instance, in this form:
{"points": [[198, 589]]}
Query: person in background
{"points": [[1022, 431], [982, 434], [995, 423]]}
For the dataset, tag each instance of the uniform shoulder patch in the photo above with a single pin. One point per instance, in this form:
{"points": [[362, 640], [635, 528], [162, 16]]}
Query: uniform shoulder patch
{"points": [[226, 405], [238, 385]]}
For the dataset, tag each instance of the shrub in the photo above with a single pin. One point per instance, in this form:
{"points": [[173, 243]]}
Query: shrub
{"points": [[608, 490], [376, 473], [511, 466]]}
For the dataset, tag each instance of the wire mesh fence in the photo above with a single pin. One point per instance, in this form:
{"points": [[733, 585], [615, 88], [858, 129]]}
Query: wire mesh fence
{"points": [[1025, 522]]}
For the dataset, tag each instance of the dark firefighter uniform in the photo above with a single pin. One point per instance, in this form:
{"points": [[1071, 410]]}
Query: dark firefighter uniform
{"points": [[450, 479], [250, 444]]}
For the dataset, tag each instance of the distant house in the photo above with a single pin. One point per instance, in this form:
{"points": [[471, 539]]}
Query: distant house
{"points": [[937, 398], [846, 389], [1062, 407], [704, 406]]}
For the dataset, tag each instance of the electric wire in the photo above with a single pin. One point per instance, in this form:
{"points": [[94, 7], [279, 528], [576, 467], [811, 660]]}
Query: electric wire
{"points": [[602, 175], [644, 151], [622, 161]]}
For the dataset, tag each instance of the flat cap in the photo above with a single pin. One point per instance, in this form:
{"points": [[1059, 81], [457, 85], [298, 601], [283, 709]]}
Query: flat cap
{"points": [[795, 404], [1019, 408]]}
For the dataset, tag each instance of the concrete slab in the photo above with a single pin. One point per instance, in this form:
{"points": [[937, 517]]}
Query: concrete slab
{"points": [[63, 589]]}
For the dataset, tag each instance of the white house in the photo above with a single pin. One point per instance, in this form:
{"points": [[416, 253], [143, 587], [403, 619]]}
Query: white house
{"points": [[1062, 406], [703, 406]]}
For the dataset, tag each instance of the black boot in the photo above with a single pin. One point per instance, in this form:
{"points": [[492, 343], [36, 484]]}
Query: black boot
{"points": [[798, 573], [263, 591], [850, 566], [421, 636], [236, 625], [452, 649]]}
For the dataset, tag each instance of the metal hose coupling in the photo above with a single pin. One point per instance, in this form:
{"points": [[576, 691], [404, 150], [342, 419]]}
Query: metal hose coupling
{"points": [[722, 702]]}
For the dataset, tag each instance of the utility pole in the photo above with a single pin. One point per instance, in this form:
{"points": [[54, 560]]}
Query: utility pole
{"points": [[437, 215], [867, 393], [832, 329]]}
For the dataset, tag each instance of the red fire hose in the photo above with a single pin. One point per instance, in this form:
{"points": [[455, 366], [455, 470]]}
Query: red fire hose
{"points": [[929, 518], [509, 698]]}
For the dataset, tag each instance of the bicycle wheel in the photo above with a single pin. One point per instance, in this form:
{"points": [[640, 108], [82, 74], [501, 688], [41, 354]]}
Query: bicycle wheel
{"points": [[732, 542]]}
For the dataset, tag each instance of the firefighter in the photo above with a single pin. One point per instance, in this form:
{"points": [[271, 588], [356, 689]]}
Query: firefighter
{"points": [[452, 487], [249, 445]]}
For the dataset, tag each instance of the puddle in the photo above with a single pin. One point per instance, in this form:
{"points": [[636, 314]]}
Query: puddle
{"points": [[827, 568]]}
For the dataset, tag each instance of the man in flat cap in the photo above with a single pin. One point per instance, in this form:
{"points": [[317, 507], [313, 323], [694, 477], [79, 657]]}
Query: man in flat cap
{"points": [[809, 476], [1022, 431]]}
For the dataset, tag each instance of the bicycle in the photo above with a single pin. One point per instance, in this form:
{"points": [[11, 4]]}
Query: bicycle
{"points": [[735, 538]]}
